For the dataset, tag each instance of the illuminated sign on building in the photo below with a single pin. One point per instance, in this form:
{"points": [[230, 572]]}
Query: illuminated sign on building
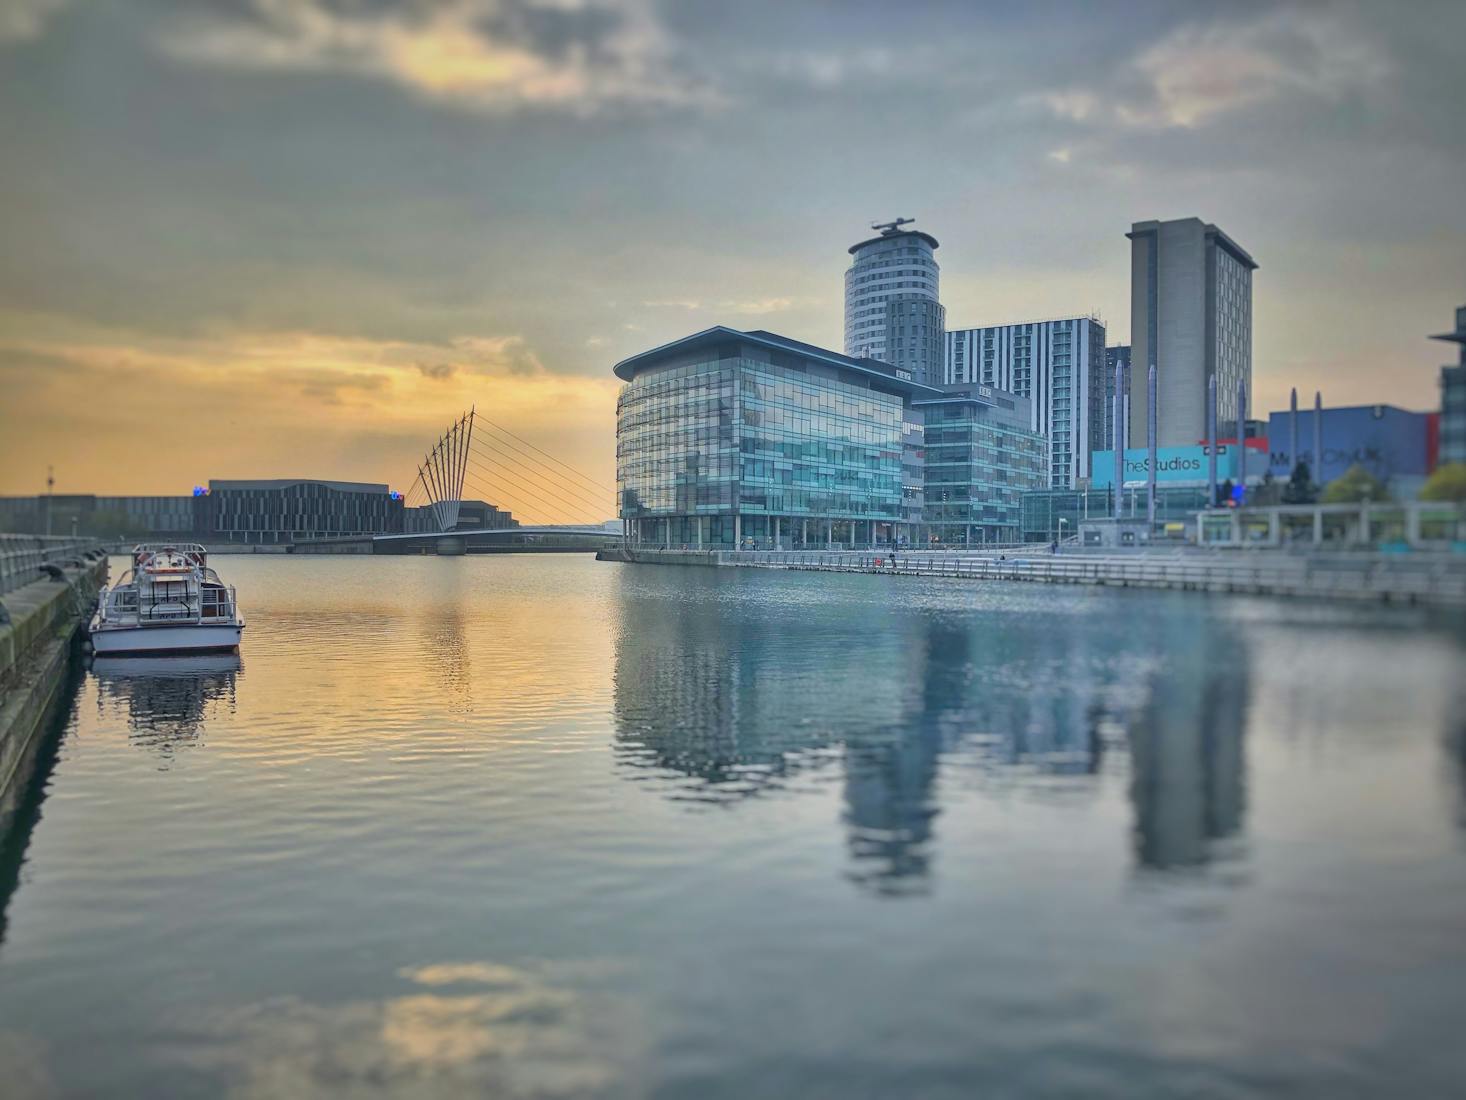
{"points": [[1174, 466]]}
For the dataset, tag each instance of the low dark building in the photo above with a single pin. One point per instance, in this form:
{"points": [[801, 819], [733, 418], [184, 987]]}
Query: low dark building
{"points": [[291, 509], [473, 515], [103, 517]]}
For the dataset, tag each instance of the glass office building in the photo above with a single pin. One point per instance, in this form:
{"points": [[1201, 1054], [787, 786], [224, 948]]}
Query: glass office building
{"points": [[1453, 396], [1050, 514], [747, 439], [981, 457], [729, 439]]}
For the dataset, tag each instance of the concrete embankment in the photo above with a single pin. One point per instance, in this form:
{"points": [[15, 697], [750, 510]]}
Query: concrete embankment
{"points": [[37, 648], [1433, 580]]}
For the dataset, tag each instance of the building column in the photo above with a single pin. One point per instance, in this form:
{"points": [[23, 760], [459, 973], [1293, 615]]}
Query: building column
{"points": [[697, 525], [738, 531], [1274, 528], [829, 531], [1317, 526], [777, 534], [1412, 525], [804, 534], [1364, 532]]}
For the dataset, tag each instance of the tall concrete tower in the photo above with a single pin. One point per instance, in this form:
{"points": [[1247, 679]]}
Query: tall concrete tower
{"points": [[893, 310], [1190, 318]]}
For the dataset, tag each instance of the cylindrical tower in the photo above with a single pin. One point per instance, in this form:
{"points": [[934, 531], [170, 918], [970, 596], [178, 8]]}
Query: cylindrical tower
{"points": [[892, 308]]}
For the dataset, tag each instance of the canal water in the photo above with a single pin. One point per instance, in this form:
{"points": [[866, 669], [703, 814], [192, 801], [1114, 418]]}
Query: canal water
{"points": [[543, 827]]}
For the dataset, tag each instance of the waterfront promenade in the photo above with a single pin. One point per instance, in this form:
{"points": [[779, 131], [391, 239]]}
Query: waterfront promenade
{"points": [[1437, 580]]}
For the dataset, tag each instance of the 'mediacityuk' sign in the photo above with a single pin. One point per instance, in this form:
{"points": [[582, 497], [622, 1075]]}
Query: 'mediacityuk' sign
{"points": [[1174, 466]]}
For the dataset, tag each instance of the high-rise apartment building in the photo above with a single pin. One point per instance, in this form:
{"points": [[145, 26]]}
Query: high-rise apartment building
{"points": [[1116, 356], [1058, 366], [1453, 396], [1190, 316], [892, 310]]}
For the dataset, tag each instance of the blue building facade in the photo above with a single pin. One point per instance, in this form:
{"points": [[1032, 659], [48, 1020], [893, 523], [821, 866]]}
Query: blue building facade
{"points": [[1392, 444], [735, 439]]}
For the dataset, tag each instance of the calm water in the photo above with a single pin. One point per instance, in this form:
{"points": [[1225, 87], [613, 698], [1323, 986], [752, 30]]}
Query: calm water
{"points": [[542, 827]]}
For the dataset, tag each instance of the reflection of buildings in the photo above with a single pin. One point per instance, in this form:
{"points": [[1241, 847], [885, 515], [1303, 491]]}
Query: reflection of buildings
{"points": [[1186, 754], [444, 637], [166, 698], [1455, 747], [723, 700]]}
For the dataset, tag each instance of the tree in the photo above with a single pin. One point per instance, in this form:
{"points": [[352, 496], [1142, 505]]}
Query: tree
{"points": [[1448, 483], [1356, 485], [1300, 488]]}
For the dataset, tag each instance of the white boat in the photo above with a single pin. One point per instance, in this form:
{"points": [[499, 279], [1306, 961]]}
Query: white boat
{"points": [[170, 601]]}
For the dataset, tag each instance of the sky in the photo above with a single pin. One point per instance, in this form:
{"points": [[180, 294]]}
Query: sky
{"points": [[277, 238]]}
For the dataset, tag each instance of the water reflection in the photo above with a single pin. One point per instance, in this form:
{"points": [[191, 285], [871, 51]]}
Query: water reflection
{"points": [[717, 703], [442, 630], [166, 699], [1186, 759], [459, 1029], [1454, 744]]}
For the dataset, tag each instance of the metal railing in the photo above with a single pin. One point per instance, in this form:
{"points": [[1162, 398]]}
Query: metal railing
{"points": [[22, 556], [1438, 579], [208, 605]]}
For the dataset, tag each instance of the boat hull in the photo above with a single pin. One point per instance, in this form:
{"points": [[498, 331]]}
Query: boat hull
{"points": [[201, 638]]}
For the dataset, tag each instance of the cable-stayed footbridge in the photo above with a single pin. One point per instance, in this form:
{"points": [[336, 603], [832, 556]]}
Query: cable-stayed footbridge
{"points": [[524, 499]]}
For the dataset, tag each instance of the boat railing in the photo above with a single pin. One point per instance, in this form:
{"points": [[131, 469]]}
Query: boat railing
{"points": [[206, 605], [194, 553], [217, 603]]}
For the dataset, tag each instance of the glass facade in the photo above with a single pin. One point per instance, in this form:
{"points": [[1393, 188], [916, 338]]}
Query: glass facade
{"points": [[738, 444], [1453, 396], [978, 465], [731, 439], [1043, 510]]}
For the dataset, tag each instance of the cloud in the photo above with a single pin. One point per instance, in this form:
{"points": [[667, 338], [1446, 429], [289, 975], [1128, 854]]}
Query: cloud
{"points": [[689, 304], [749, 306], [483, 55], [758, 306], [1201, 72], [269, 404], [21, 20]]}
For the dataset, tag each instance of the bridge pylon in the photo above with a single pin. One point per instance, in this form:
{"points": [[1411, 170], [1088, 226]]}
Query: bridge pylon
{"points": [[443, 469]]}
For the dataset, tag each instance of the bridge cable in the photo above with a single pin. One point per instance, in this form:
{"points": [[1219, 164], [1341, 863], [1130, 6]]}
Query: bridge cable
{"points": [[528, 489], [552, 458], [501, 476], [591, 496], [542, 477], [519, 507], [550, 489]]}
